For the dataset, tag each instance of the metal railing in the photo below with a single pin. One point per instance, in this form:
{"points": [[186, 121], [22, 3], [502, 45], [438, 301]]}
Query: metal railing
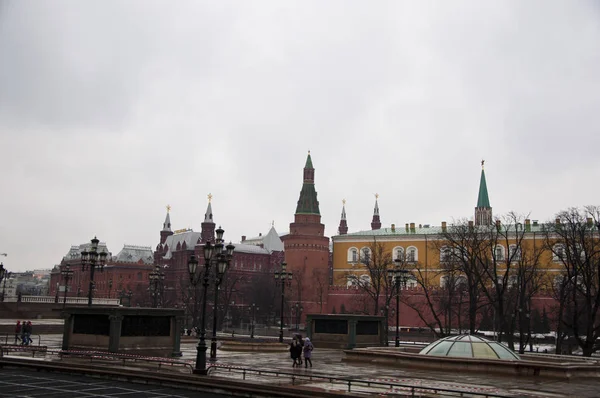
{"points": [[70, 300], [123, 358], [414, 391]]}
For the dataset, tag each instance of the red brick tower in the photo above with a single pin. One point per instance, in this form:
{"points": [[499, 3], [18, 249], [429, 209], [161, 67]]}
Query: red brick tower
{"points": [[343, 228], [307, 250], [208, 226], [376, 222]]}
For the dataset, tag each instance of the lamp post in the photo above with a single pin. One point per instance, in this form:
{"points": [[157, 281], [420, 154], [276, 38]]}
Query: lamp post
{"points": [[129, 295], [397, 276], [222, 260], [298, 311], [56, 294], [284, 278], [2, 275], [94, 260], [67, 275], [254, 308], [156, 277], [110, 283]]}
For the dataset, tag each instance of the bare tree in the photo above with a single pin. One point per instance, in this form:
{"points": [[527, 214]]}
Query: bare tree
{"points": [[574, 242], [374, 282], [461, 246]]}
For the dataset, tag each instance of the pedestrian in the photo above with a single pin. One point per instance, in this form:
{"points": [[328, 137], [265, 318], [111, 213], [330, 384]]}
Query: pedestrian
{"points": [[308, 347], [298, 337], [28, 329], [295, 350], [18, 332], [23, 332]]}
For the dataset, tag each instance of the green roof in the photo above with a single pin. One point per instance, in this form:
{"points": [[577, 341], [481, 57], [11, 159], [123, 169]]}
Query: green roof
{"points": [[308, 203], [431, 230], [483, 200], [308, 164]]}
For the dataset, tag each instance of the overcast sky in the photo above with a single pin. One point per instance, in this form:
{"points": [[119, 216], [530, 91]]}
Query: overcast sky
{"points": [[111, 110]]}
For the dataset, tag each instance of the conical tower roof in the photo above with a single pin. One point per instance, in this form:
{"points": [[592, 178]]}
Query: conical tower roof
{"points": [[308, 203], [483, 199]]}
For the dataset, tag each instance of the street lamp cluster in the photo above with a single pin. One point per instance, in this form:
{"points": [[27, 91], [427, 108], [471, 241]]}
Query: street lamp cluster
{"points": [[67, 275], [253, 308], [284, 278], [94, 260], [157, 278], [213, 255], [397, 277], [3, 276]]}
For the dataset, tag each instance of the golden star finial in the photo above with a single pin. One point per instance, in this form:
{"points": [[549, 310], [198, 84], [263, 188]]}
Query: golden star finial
{"points": [[376, 196], [168, 208], [209, 197], [344, 202], [309, 151]]}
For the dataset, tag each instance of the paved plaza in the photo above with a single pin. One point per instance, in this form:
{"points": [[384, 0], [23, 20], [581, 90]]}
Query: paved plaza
{"points": [[328, 362]]}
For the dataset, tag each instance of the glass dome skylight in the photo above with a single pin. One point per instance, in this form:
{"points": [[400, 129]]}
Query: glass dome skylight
{"points": [[468, 346]]}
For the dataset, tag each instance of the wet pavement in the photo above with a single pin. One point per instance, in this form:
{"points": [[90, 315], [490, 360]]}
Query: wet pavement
{"points": [[328, 362]]}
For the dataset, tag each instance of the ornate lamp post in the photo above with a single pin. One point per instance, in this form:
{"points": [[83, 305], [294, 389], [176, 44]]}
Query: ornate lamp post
{"points": [[223, 260], [254, 308], [282, 277], [200, 367], [397, 277], [94, 260], [67, 275], [156, 277], [299, 310], [2, 275]]}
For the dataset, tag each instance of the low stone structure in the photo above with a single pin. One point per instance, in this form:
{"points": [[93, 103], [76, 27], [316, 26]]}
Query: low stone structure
{"points": [[345, 330], [147, 331]]}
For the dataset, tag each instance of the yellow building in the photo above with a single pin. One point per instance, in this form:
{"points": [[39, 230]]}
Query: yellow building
{"points": [[424, 250]]}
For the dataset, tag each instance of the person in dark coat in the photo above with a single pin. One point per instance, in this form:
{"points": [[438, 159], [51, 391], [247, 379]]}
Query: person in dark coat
{"points": [[18, 332], [295, 352]]}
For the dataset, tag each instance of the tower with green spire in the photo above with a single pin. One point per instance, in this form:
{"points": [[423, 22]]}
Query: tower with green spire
{"points": [[306, 249], [483, 210], [308, 203]]}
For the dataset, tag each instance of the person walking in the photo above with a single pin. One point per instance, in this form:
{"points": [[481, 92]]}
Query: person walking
{"points": [[295, 352], [18, 332], [308, 347], [23, 332], [300, 340], [29, 331]]}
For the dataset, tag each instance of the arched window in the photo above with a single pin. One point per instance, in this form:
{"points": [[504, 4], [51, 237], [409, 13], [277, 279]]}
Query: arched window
{"points": [[410, 282], [365, 255], [365, 280], [398, 253], [499, 253], [445, 254], [558, 252], [514, 253], [412, 254], [353, 255]]}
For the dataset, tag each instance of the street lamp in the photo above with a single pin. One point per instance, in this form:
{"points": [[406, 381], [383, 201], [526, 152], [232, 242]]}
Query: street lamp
{"points": [[284, 278], [397, 277], [222, 260], [110, 283], [67, 275], [94, 260], [254, 308], [299, 310], [2, 275], [156, 277], [129, 295]]}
